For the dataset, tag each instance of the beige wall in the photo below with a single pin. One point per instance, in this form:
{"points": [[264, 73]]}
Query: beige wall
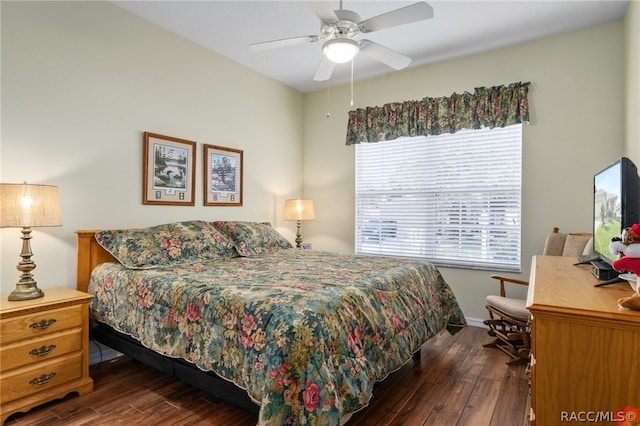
{"points": [[632, 80], [576, 128], [81, 81]]}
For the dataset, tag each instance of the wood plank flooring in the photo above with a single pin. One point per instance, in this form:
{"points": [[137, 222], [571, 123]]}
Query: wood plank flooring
{"points": [[456, 382]]}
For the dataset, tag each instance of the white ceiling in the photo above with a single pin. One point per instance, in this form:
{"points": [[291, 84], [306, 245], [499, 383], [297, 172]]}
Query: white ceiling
{"points": [[458, 28]]}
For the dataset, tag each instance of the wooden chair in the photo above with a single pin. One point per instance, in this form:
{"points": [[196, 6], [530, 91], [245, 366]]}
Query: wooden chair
{"points": [[509, 318]]}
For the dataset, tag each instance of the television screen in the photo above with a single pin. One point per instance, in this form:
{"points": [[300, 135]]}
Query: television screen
{"points": [[616, 200], [606, 214]]}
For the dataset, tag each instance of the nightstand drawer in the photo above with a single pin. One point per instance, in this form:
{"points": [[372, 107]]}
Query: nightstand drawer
{"points": [[28, 381], [35, 350], [39, 323]]}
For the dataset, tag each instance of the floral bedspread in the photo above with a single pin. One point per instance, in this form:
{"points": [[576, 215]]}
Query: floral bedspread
{"points": [[306, 333]]}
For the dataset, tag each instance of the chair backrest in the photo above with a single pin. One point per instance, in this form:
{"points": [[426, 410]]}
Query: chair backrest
{"points": [[574, 244]]}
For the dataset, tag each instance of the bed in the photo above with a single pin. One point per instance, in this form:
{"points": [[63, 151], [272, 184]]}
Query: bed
{"points": [[300, 336]]}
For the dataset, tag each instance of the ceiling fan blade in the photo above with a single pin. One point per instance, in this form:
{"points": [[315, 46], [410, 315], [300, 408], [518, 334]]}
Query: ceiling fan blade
{"points": [[324, 70], [405, 15], [274, 44], [385, 55], [323, 11]]}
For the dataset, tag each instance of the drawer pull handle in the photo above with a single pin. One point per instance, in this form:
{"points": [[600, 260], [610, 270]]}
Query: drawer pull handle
{"points": [[43, 379], [42, 350], [43, 325]]}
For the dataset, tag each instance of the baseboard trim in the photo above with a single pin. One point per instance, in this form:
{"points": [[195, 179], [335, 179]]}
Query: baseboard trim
{"points": [[99, 353], [475, 322]]}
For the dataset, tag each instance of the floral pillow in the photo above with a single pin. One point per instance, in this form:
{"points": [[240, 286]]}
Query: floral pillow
{"points": [[252, 238], [166, 245]]}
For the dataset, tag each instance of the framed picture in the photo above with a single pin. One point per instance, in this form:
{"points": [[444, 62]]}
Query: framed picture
{"points": [[222, 176], [169, 166]]}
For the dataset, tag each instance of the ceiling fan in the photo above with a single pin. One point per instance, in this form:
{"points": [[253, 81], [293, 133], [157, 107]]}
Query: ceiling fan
{"points": [[340, 31]]}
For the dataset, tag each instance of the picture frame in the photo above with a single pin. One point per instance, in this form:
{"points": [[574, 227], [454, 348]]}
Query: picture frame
{"points": [[223, 170], [168, 176]]}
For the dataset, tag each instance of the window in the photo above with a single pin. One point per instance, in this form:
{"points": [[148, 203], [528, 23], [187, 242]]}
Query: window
{"points": [[453, 199]]}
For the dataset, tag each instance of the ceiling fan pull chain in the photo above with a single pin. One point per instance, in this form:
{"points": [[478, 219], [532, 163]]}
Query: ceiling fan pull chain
{"points": [[351, 82], [328, 111]]}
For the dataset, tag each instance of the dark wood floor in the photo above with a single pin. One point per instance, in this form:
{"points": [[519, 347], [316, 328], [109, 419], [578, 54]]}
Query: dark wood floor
{"points": [[457, 382]]}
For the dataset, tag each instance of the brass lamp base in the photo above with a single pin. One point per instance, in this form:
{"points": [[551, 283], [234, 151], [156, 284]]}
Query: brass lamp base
{"points": [[26, 287], [298, 234], [26, 292]]}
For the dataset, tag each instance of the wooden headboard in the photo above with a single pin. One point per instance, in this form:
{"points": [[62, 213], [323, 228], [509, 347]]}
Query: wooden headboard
{"points": [[89, 255]]}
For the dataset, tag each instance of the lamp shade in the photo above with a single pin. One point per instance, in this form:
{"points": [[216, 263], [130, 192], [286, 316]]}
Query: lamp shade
{"points": [[340, 50], [299, 210], [26, 205]]}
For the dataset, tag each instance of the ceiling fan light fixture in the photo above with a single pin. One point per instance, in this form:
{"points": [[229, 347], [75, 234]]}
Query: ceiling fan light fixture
{"points": [[340, 50]]}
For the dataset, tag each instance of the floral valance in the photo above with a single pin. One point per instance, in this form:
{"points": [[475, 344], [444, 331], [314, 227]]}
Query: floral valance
{"points": [[496, 106]]}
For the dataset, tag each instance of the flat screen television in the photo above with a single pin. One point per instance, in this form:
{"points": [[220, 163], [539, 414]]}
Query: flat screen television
{"points": [[616, 204]]}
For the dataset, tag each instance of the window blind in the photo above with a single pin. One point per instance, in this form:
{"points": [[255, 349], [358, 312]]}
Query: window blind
{"points": [[454, 199]]}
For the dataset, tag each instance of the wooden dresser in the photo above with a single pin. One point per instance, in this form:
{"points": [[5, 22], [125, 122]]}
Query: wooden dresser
{"points": [[585, 362], [44, 349]]}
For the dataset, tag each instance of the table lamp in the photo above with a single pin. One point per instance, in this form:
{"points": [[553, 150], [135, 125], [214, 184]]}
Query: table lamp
{"points": [[298, 210], [25, 206]]}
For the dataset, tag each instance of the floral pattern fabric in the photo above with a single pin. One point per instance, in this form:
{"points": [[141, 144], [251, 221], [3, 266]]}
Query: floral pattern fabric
{"points": [[251, 238], [496, 106], [306, 333], [166, 244]]}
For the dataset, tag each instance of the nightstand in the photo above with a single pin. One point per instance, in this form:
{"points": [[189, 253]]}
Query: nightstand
{"points": [[44, 349]]}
